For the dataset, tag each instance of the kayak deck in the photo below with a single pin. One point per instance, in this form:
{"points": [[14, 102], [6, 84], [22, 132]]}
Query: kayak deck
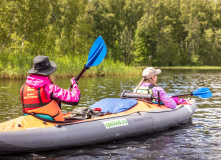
{"points": [[30, 122]]}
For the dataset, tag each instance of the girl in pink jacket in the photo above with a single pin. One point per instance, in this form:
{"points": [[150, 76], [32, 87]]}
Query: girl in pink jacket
{"points": [[39, 89], [148, 86]]}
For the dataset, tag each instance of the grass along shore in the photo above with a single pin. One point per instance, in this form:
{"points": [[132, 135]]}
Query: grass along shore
{"points": [[108, 67], [186, 67], [67, 66], [192, 67], [16, 66]]}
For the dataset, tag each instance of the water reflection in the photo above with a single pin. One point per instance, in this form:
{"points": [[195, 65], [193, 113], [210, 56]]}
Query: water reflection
{"points": [[200, 138]]}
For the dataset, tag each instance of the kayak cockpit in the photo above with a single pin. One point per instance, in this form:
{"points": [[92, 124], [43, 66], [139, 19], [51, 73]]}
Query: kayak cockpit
{"points": [[34, 121]]}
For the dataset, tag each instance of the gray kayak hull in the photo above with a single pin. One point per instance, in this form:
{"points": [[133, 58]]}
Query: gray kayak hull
{"points": [[93, 132]]}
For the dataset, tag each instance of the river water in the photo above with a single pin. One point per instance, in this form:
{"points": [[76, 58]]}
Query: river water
{"points": [[199, 138]]}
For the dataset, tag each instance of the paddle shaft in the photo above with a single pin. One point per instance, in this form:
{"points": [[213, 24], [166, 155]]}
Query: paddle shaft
{"points": [[182, 95], [82, 72]]}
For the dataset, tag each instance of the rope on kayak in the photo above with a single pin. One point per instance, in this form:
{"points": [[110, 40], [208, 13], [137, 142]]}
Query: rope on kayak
{"points": [[146, 102]]}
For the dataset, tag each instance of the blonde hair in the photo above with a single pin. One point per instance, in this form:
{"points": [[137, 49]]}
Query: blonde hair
{"points": [[146, 80]]}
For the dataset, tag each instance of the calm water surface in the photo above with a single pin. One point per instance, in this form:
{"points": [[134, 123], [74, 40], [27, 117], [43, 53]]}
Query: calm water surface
{"points": [[200, 138]]}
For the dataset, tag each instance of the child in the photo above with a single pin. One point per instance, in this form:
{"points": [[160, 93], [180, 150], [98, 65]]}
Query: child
{"points": [[148, 86], [39, 89]]}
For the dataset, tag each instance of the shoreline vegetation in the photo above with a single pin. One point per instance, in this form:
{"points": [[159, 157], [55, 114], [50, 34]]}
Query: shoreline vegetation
{"points": [[69, 66], [191, 67]]}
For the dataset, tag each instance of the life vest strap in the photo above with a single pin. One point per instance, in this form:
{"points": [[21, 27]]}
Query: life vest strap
{"points": [[34, 105], [145, 90], [39, 96]]}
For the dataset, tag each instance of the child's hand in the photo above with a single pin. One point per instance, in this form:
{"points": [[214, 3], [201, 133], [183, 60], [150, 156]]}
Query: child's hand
{"points": [[178, 101]]}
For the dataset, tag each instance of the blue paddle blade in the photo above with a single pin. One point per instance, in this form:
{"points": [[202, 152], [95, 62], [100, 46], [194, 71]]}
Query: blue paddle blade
{"points": [[97, 52], [203, 92]]}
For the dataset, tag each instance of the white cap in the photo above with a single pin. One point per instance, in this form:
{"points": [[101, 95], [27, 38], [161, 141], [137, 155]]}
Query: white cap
{"points": [[150, 72]]}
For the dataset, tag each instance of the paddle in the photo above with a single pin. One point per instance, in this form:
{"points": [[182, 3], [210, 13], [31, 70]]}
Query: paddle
{"points": [[203, 92], [96, 55]]}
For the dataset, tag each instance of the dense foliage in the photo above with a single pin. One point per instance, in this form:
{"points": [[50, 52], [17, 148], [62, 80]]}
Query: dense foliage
{"points": [[136, 32]]}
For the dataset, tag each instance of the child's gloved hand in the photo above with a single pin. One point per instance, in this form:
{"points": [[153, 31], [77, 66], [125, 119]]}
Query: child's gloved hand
{"points": [[178, 101], [182, 101], [73, 81]]}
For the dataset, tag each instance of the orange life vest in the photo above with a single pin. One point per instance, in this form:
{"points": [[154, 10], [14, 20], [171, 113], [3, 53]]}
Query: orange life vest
{"points": [[33, 98], [52, 109]]}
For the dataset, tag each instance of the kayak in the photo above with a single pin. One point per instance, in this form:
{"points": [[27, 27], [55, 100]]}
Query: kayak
{"points": [[31, 133]]}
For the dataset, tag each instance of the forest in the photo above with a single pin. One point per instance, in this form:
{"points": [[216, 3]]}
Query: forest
{"points": [[136, 32]]}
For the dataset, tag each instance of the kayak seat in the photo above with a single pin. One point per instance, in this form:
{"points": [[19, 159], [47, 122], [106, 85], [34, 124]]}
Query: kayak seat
{"points": [[114, 105], [42, 116], [50, 110]]}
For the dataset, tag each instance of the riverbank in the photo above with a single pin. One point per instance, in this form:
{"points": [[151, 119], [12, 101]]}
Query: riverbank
{"points": [[67, 66], [186, 67], [192, 67], [70, 69], [16, 66]]}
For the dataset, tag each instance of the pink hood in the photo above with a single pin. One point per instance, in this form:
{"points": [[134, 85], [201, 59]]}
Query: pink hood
{"points": [[37, 81]]}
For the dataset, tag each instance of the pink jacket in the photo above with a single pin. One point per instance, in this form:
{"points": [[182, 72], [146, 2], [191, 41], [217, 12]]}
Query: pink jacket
{"points": [[168, 102], [54, 92]]}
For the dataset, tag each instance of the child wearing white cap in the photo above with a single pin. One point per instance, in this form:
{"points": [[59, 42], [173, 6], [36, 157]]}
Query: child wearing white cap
{"points": [[148, 86]]}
